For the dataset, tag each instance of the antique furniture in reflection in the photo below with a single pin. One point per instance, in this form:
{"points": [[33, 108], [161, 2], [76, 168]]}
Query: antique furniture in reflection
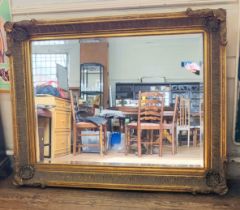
{"points": [[60, 124], [91, 82], [132, 112], [197, 130], [80, 126], [44, 116], [97, 51], [170, 125], [191, 90], [170, 117], [150, 117], [184, 118]]}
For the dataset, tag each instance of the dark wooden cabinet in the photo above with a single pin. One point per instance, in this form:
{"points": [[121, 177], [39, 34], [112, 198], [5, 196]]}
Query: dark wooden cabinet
{"points": [[191, 90]]}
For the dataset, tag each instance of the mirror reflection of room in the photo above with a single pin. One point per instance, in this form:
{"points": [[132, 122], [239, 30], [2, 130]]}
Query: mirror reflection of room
{"points": [[124, 101]]}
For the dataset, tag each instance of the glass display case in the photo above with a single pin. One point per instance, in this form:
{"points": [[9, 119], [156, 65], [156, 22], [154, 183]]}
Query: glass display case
{"points": [[191, 90], [91, 83]]}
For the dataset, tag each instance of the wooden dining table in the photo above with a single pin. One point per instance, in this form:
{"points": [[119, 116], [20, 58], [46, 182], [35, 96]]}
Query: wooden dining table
{"points": [[130, 111]]}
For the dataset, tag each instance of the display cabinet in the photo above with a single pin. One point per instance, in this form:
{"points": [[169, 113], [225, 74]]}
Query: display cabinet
{"points": [[91, 83], [191, 90]]}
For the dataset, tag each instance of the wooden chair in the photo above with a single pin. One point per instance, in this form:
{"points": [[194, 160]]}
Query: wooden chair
{"points": [[198, 129], [201, 119], [184, 118], [170, 126], [78, 127], [150, 117]]}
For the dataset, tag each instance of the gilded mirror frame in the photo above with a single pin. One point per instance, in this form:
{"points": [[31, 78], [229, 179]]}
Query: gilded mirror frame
{"points": [[210, 178]]}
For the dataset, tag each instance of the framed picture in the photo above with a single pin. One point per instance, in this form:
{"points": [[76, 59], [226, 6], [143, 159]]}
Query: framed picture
{"points": [[4, 63]]}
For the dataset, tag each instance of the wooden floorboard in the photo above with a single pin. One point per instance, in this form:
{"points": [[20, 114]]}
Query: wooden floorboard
{"points": [[24, 198]]}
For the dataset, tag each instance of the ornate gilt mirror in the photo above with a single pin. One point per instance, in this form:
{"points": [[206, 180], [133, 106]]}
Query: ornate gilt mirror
{"points": [[81, 91]]}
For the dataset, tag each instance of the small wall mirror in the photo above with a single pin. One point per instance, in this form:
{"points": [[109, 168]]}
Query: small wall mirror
{"points": [[121, 102]]}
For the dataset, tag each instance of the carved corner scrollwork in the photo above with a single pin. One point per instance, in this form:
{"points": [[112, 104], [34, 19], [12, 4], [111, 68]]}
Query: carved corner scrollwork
{"points": [[215, 21], [23, 173], [217, 182], [8, 53], [19, 31], [213, 178], [17, 181], [26, 172]]}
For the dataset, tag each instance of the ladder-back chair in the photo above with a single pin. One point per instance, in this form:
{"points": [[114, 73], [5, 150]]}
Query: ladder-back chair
{"points": [[184, 118], [170, 125], [78, 127], [150, 117]]}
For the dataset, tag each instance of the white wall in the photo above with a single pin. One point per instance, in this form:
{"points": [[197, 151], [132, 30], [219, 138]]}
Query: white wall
{"points": [[56, 9], [131, 58]]}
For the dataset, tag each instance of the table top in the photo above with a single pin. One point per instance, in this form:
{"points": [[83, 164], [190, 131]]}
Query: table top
{"points": [[41, 112], [128, 110]]}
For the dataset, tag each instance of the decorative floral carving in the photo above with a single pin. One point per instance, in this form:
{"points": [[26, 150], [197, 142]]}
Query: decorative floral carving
{"points": [[8, 26], [213, 178], [215, 21], [17, 181], [26, 23], [8, 52], [213, 24], [19, 31], [216, 181], [23, 173], [26, 172], [19, 34]]}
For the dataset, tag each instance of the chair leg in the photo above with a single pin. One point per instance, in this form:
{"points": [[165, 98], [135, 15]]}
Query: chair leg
{"points": [[105, 138], [100, 140], [177, 137], [126, 140], [201, 135], [79, 136], [173, 142], [188, 137], [195, 134], [74, 140], [148, 140], [176, 146], [160, 142], [139, 146], [151, 142]]}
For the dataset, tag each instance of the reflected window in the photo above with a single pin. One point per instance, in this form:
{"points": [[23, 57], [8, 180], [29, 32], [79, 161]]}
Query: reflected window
{"points": [[51, 42], [44, 66]]}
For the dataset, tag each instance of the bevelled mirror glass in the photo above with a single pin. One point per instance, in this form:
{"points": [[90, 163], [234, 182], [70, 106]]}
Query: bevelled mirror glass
{"points": [[104, 76]]}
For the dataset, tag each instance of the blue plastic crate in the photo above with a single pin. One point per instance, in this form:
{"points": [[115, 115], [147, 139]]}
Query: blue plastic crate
{"points": [[115, 138]]}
